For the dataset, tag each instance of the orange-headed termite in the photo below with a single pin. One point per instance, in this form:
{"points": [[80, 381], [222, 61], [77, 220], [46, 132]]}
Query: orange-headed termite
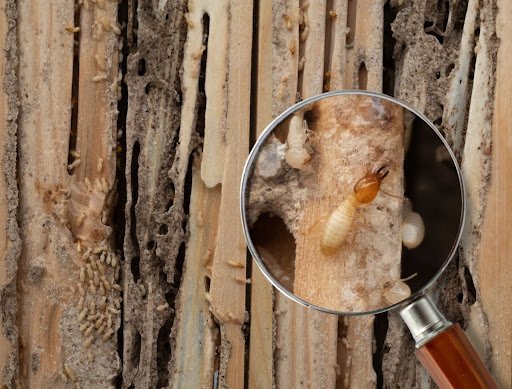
{"points": [[339, 222]]}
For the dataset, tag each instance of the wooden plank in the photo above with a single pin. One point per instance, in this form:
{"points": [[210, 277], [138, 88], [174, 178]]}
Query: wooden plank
{"points": [[60, 217], [196, 332], [496, 249], [357, 39], [261, 351], [10, 243]]}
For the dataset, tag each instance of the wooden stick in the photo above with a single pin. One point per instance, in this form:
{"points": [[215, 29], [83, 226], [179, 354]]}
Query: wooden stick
{"points": [[496, 249], [261, 364]]}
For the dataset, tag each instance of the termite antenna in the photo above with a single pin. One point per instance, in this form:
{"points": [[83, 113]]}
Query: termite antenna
{"points": [[392, 195], [408, 278]]}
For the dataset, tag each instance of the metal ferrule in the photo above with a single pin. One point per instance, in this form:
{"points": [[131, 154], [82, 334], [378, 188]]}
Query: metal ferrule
{"points": [[424, 320]]}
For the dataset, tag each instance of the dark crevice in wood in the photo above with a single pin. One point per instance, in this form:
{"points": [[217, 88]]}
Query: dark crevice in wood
{"points": [[351, 20], [380, 329], [330, 24], [74, 91]]}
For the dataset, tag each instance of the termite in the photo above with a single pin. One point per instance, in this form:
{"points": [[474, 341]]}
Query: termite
{"points": [[288, 22], [162, 307], [297, 156], [70, 373], [292, 46], [413, 228], [302, 62], [304, 34], [339, 222], [397, 291], [332, 14]]}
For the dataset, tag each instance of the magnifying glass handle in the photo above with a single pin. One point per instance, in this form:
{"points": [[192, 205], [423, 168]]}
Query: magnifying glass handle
{"points": [[443, 348]]}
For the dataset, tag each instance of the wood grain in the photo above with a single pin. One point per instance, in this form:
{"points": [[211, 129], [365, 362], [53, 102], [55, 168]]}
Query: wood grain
{"points": [[496, 248]]}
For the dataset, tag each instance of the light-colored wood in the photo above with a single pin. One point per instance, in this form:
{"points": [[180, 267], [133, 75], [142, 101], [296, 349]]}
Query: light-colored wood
{"points": [[196, 332], [459, 94], [261, 355], [355, 351], [51, 201], [496, 248]]}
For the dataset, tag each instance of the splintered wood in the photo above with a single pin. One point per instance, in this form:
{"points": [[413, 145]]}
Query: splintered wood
{"points": [[353, 137]]}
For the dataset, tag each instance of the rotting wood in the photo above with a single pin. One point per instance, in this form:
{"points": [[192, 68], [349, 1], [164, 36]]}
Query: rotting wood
{"points": [[10, 243], [157, 159], [261, 351], [52, 201], [496, 250]]}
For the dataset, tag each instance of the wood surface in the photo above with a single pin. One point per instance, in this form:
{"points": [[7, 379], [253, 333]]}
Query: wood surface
{"points": [[193, 79]]}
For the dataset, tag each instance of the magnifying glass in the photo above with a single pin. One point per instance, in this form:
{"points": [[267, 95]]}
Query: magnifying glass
{"points": [[352, 203]]}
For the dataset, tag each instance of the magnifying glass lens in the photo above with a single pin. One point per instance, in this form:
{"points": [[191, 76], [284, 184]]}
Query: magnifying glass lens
{"points": [[352, 203]]}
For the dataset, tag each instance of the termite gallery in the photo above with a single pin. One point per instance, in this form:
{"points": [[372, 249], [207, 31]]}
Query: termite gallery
{"points": [[340, 221]]}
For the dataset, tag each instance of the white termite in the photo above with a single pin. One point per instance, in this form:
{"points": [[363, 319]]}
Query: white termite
{"points": [[340, 221], [297, 156], [413, 228], [70, 372]]}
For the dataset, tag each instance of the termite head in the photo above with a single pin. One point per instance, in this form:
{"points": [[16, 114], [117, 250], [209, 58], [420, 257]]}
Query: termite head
{"points": [[367, 187]]}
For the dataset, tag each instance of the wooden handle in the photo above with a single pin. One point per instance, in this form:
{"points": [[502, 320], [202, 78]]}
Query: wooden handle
{"points": [[452, 362]]}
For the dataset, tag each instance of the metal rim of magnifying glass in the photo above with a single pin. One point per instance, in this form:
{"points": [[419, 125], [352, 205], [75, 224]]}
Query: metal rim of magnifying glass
{"points": [[247, 171]]}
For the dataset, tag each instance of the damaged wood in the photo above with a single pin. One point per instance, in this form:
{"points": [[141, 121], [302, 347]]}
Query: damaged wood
{"points": [[10, 244], [182, 270]]}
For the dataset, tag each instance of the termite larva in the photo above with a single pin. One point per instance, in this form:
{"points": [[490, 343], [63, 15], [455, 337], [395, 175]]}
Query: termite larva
{"points": [[302, 62], [304, 34], [162, 307], [292, 46], [99, 167], [70, 372], [297, 156], [340, 221], [413, 228], [100, 77]]}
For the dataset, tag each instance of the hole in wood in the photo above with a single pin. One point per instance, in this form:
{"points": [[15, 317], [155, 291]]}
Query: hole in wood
{"points": [[141, 67], [363, 77], [276, 246]]}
